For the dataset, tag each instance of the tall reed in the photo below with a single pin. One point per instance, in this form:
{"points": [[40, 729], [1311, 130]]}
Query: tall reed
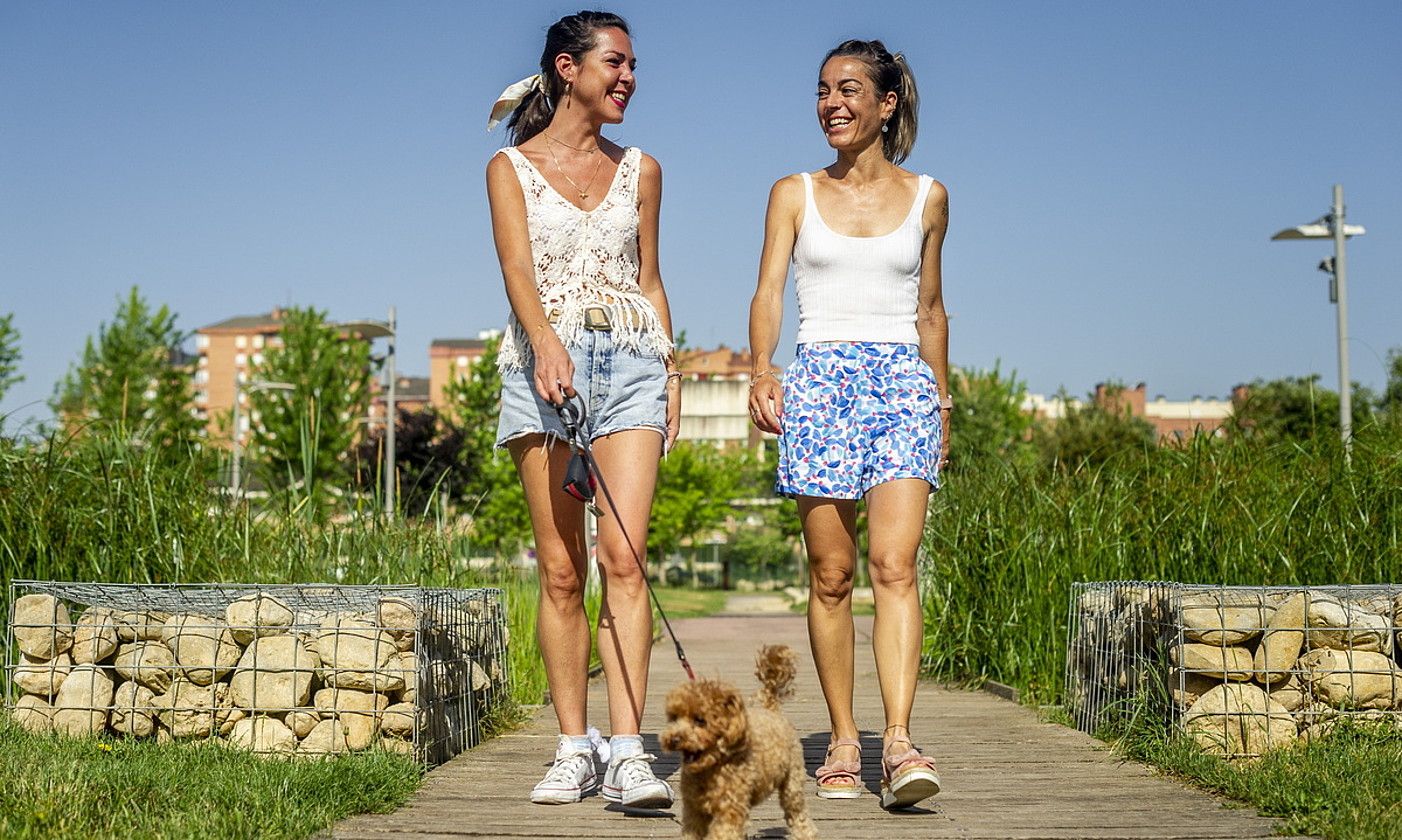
{"points": [[90, 507], [1005, 542]]}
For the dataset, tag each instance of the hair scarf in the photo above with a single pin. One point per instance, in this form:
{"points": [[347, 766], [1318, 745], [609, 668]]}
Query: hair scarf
{"points": [[511, 98]]}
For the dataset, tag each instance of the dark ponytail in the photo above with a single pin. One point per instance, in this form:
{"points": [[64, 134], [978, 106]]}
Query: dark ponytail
{"points": [[889, 73], [573, 34]]}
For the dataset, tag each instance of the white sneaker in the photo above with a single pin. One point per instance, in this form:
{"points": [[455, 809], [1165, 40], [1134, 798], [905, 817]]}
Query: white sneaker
{"points": [[569, 778], [629, 781]]}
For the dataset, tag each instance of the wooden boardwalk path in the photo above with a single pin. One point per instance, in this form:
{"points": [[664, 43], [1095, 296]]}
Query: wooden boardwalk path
{"points": [[1006, 774]]}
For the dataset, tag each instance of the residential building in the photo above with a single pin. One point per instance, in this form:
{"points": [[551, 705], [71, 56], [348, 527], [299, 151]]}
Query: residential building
{"points": [[411, 393], [716, 397], [720, 363], [1172, 419], [450, 359], [226, 352], [229, 351]]}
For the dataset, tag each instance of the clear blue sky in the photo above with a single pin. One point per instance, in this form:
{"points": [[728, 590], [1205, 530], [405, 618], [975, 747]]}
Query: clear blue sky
{"points": [[1115, 169]]}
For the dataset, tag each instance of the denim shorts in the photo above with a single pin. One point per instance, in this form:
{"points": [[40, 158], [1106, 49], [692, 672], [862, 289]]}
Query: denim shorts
{"points": [[620, 389], [857, 414]]}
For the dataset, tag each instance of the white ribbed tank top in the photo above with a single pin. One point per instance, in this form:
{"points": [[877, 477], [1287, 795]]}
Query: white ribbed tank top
{"points": [[858, 288]]}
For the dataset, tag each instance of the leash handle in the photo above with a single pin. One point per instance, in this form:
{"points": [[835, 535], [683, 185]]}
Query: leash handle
{"points": [[571, 412]]}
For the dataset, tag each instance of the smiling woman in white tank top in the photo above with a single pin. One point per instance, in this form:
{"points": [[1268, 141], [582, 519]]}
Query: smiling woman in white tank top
{"points": [[863, 411]]}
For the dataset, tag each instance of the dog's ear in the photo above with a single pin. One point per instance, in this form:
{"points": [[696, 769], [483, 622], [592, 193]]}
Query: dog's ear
{"points": [[735, 728]]}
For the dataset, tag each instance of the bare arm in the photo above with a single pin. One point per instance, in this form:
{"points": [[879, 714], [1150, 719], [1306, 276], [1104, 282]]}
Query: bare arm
{"points": [[554, 370], [781, 223], [650, 277], [930, 320]]}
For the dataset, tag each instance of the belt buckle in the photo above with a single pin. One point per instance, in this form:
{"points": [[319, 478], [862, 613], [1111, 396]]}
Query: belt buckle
{"points": [[597, 318]]}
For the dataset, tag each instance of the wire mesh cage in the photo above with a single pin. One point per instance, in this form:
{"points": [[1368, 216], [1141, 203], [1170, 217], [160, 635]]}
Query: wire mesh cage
{"points": [[306, 669], [1241, 669]]}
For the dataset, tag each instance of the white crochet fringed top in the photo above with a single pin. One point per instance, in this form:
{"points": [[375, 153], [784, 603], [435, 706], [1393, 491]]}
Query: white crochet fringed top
{"points": [[585, 258], [858, 288]]}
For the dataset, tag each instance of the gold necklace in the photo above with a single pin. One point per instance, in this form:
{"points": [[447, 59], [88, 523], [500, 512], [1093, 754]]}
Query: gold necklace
{"points": [[583, 191], [568, 146]]}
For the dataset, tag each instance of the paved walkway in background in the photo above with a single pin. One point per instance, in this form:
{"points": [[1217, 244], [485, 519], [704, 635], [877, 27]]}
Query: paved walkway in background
{"points": [[1006, 773]]}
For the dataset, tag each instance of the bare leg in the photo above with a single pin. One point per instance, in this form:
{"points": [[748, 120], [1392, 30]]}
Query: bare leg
{"points": [[895, 524], [628, 463], [562, 625], [830, 532]]}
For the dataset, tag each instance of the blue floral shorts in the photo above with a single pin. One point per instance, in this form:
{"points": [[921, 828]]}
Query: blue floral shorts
{"points": [[855, 415]]}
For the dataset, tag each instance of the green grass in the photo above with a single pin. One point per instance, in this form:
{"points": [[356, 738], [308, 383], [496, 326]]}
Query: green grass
{"points": [[1345, 787], [64, 787], [1006, 542], [858, 607], [691, 603]]}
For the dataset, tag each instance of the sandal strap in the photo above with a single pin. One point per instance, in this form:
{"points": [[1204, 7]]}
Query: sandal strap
{"points": [[836, 768], [893, 766]]}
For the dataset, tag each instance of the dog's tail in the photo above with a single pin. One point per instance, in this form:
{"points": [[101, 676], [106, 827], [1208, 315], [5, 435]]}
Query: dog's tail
{"points": [[774, 666]]}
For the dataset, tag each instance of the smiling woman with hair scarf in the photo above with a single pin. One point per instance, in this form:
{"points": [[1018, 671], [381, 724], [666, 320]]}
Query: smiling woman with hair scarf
{"points": [[574, 217]]}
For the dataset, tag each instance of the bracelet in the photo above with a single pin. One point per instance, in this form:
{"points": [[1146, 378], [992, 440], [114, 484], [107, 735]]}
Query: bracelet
{"points": [[947, 404], [754, 378], [673, 374]]}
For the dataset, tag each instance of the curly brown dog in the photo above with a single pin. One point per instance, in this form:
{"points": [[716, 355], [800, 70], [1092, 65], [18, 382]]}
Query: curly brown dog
{"points": [[734, 756]]}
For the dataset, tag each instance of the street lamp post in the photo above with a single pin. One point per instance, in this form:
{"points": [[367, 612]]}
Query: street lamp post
{"points": [[390, 419], [1333, 227], [383, 329], [235, 474]]}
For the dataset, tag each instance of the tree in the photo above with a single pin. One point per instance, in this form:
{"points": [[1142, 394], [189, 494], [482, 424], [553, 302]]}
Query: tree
{"points": [[9, 354], [302, 436], [1391, 401], [695, 484], [428, 459], [1091, 434], [768, 537], [130, 379], [493, 494], [1294, 408], [988, 421]]}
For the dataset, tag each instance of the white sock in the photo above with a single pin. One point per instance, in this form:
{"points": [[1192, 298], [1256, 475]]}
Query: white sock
{"points": [[623, 746], [570, 744]]}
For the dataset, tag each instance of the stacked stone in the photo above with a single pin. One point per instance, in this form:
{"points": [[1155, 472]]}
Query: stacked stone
{"points": [[1111, 656], [1244, 670], [1259, 670], [264, 678]]}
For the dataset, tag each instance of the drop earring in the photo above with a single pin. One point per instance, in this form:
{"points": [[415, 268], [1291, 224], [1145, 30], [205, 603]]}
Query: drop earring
{"points": [[885, 128]]}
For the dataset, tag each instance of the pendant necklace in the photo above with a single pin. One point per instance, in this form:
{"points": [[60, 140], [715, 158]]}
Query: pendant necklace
{"points": [[583, 191]]}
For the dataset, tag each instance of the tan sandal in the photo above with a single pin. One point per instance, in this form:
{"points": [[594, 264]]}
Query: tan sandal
{"points": [[841, 779], [908, 777]]}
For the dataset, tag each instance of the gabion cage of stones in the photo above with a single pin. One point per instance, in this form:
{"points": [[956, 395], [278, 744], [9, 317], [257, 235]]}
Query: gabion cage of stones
{"points": [[1242, 670], [306, 670]]}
